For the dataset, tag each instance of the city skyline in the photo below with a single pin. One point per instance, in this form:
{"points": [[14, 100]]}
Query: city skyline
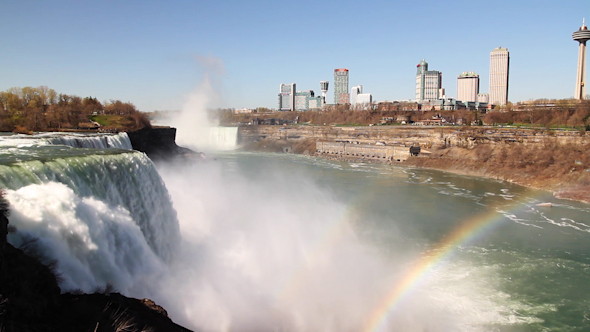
{"points": [[156, 54]]}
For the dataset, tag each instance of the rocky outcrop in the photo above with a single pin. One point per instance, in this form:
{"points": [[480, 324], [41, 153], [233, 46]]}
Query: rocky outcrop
{"points": [[159, 143]]}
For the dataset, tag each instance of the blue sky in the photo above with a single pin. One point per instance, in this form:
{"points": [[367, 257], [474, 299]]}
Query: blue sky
{"points": [[147, 52]]}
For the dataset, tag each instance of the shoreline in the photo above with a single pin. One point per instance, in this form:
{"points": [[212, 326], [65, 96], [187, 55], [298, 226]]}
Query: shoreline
{"points": [[576, 192], [569, 182]]}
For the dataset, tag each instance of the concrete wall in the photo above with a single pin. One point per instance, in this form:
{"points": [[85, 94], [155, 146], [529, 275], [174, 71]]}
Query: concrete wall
{"points": [[363, 151]]}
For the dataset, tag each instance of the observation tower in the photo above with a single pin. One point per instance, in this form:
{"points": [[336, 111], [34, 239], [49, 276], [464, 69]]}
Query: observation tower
{"points": [[324, 88], [581, 36]]}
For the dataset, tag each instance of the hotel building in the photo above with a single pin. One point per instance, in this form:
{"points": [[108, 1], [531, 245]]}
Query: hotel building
{"points": [[467, 86], [428, 83], [287, 97], [499, 66], [341, 95]]}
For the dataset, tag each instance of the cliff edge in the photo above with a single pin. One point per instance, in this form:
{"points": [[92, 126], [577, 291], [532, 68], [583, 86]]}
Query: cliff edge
{"points": [[159, 143]]}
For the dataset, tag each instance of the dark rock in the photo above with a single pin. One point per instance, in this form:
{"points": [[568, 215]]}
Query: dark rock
{"points": [[159, 143]]}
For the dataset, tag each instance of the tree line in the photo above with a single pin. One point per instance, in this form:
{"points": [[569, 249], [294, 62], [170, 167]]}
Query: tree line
{"points": [[543, 112], [43, 109], [539, 113]]}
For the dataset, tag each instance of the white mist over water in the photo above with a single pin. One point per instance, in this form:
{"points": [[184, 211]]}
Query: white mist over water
{"points": [[257, 257], [279, 253], [195, 128]]}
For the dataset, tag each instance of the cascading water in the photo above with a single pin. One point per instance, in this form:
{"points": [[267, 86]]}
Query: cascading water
{"points": [[94, 141], [104, 215], [223, 138], [118, 141]]}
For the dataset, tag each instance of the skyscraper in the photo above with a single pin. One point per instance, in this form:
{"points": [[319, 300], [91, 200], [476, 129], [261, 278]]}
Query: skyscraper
{"points": [[428, 83], [287, 97], [467, 86], [341, 95], [581, 36], [499, 66]]}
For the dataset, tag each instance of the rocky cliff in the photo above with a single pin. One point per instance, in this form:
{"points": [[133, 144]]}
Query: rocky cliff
{"points": [[159, 143]]}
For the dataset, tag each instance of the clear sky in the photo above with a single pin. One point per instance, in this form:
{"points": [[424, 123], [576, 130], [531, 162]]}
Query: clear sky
{"points": [[154, 53]]}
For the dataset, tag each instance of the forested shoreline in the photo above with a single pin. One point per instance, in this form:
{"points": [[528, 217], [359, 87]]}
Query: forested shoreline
{"points": [[542, 113], [30, 109]]}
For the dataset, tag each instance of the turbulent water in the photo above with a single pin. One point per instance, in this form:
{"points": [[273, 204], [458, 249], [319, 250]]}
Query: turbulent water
{"points": [[104, 214], [96, 141], [267, 242]]}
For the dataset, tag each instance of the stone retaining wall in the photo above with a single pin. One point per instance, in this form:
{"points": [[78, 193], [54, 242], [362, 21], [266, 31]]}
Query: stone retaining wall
{"points": [[363, 151]]}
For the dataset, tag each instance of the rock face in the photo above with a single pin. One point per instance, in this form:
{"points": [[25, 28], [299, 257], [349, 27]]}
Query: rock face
{"points": [[159, 143], [425, 137]]}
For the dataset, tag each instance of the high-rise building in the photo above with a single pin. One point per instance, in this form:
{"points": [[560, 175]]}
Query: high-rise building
{"points": [[341, 95], [357, 97], [354, 92], [581, 36], [287, 97], [499, 66], [428, 83], [467, 86], [306, 100]]}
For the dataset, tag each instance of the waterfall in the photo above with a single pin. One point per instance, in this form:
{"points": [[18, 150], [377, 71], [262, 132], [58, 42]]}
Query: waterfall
{"points": [[100, 141], [86, 140], [106, 218], [223, 138]]}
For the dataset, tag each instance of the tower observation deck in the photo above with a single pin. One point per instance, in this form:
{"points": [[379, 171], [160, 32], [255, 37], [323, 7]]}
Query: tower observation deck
{"points": [[581, 36]]}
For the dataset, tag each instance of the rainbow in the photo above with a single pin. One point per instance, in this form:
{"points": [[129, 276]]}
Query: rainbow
{"points": [[418, 272]]}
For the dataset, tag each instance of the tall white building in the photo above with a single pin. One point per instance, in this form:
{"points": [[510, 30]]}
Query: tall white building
{"points": [[354, 92], [467, 86], [499, 66], [287, 97], [357, 97], [428, 83]]}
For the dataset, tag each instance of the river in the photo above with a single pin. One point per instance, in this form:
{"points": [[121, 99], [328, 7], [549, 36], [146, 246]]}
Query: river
{"points": [[282, 242]]}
